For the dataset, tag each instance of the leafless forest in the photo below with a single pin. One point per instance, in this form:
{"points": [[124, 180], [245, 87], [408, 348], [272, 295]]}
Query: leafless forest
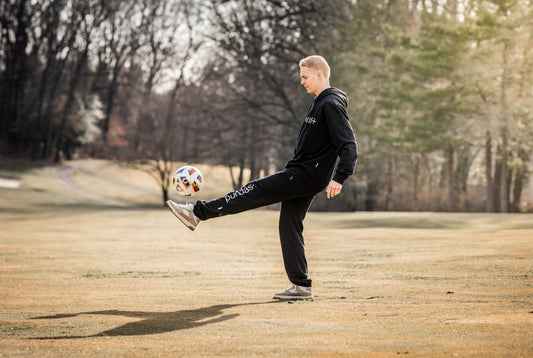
{"points": [[440, 90]]}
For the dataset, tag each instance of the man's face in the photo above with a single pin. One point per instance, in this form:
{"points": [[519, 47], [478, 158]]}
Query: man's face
{"points": [[309, 79]]}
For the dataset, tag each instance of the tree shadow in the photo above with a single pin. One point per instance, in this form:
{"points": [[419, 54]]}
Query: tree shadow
{"points": [[157, 322]]}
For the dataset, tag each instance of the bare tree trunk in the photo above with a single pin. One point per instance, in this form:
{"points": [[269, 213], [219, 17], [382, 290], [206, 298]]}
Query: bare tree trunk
{"points": [[464, 159], [497, 179], [450, 182], [70, 99], [416, 182], [241, 173], [488, 174], [109, 100], [14, 77], [37, 135], [504, 192], [165, 175], [55, 66], [520, 176], [434, 6], [517, 193], [504, 173], [164, 192], [60, 67], [371, 192], [233, 182], [252, 152], [390, 184], [48, 115]]}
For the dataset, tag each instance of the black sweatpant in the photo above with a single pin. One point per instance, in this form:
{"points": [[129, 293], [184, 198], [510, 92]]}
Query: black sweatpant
{"points": [[295, 196]]}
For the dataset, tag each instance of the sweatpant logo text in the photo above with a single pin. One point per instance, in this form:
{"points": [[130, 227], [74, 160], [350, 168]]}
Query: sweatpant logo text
{"points": [[244, 190]]}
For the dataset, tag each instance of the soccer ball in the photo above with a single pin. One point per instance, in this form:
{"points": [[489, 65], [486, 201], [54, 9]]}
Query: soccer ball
{"points": [[187, 180]]}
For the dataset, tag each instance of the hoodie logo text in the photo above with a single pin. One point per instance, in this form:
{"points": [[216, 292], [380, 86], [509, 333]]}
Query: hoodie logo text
{"points": [[310, 120]]}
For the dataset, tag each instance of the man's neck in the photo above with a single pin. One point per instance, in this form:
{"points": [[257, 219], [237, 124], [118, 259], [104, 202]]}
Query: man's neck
{"points": [[322, 88]]}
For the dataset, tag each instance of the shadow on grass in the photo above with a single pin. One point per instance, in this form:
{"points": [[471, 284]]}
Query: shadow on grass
{"points": [[14, 167], [156, 322]]}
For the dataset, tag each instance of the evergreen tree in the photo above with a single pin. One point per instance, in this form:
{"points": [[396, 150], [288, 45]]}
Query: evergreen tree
{"points": [[505, 40]]}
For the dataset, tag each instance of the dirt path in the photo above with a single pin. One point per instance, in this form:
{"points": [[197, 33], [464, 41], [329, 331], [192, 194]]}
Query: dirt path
{"points": [[63, 174], [81, 167]]}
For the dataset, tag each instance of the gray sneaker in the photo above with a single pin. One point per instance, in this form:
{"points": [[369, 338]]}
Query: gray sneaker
{"points": [[184, 213], [295, 292]]}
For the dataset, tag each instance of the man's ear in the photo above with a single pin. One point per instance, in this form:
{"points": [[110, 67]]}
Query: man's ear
{"points": [[319, 75]]}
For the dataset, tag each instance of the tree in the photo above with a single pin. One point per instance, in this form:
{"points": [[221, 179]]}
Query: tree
{"points": [[58, 37], [15, 23], [505, 37], [43, 42], [92, 15], [261, 43], [165, 137], [160, 17], [120, 34]]}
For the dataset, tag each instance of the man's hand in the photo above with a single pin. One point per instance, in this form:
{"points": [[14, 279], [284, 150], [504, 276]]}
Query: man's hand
{"points": [[333, 189]]}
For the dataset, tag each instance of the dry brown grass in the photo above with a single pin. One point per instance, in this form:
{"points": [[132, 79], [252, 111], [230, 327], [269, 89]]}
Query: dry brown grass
{"points": [[78, 278]]}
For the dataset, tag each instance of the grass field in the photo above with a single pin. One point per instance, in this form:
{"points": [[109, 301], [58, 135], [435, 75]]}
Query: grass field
{"points": [[79, 277]]}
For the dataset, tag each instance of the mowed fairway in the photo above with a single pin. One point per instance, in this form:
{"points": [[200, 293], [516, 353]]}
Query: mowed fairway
{"points": [[81, 277]]}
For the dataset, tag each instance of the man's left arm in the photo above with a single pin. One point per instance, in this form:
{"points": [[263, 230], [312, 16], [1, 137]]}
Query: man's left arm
{"points": [[343, 138]]}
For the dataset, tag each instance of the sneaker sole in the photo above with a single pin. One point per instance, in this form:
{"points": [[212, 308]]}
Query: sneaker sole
{"points": [[278, 297], [180, 217]]}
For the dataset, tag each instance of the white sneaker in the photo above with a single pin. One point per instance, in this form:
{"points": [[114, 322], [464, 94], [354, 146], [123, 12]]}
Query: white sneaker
{"points": [[184, 213], [295, 292]]}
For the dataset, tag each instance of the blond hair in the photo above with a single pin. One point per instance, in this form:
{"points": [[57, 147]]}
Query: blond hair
{"points": [[316, 62]]}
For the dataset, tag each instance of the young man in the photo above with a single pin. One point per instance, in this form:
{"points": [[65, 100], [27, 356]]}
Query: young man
{"points": [[325, 135]]}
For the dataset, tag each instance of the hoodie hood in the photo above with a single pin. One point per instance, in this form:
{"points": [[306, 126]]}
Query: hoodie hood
{"points": [[332, 91]]}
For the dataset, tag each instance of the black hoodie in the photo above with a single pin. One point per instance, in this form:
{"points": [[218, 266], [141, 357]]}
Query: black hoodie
{"points": [[325, 135]]}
